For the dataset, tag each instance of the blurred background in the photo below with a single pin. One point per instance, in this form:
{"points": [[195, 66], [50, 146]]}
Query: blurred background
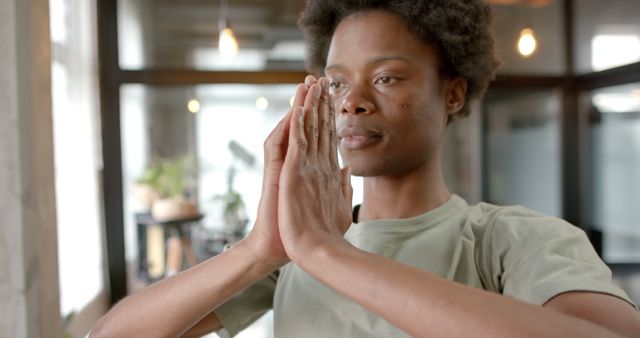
{"points": [[160, 108]]}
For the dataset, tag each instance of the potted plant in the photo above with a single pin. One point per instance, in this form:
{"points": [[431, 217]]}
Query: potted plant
{"points": [[169, 179], [144, 190], [233, 211]]}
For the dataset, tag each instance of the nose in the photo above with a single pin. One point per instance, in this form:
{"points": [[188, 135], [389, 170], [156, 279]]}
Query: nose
{"points": [[356, 100]]}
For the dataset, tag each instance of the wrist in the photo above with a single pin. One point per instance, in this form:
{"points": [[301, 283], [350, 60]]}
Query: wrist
{"points": [[259, 254], [319, 251]]}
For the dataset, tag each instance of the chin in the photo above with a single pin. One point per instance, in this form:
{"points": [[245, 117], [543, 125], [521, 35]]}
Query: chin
{"points": [[365, 168]]}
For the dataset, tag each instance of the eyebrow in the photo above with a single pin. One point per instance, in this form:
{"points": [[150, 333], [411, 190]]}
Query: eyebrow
{"points": [[374, 60]]}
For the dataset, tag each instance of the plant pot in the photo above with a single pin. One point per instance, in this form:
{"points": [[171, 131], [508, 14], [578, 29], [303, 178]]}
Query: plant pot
{"points": [[145, 195], [167, 209]]}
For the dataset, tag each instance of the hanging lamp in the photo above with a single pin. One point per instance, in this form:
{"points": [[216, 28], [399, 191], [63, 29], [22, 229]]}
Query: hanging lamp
{"points": [[227, 42], [527, 43]]}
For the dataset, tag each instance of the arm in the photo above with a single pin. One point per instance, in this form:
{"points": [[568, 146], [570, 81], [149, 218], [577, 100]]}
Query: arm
{"points": [[423, 304], [314, 211], [208, 324], [172, 306]]}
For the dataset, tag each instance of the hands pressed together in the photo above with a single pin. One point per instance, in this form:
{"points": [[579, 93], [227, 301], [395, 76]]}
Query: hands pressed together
{"points": [[306, 196]]}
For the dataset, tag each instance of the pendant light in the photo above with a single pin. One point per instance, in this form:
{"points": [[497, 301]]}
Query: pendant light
{"points": [[527, 43], [227, 43]]}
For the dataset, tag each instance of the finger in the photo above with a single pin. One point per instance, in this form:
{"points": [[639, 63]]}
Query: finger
{"points": [[277, 140], [347, 192], [333, 134], [275, 146], [311, 118], [309, 80], [298, 145], [301, 93], [347, 189], [324, 122]]}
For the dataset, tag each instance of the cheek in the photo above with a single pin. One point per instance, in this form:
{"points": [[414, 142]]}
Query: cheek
{"points": [[412, 114], [420, 122]]}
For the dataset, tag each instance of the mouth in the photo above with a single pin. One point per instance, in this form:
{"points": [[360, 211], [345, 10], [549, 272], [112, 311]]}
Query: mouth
{"points": [[354, 138]]}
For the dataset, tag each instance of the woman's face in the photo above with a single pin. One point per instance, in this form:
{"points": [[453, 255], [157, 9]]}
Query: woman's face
{"points": [[389, 97]]}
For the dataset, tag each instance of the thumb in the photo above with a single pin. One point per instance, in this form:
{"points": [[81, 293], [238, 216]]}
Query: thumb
{"points": [[275, 148], [277, 142], [347, 189]]}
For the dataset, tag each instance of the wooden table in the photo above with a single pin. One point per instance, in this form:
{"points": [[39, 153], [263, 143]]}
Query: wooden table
{"points": [[175, 239]]}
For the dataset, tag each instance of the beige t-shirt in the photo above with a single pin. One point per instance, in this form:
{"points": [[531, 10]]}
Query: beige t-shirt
{"points": [[513, 251]]}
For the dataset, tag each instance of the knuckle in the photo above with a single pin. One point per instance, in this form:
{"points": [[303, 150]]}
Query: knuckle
{"points": [[302, 143], [326, 102], [270, 145], [308, 110]]}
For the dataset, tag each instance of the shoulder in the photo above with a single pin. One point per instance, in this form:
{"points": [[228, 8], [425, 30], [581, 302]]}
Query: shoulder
{"points": [[519, 230], [513, 222]]}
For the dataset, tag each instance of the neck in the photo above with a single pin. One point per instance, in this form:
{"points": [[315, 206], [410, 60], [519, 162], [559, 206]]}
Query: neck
{"points": [[403, 196]]}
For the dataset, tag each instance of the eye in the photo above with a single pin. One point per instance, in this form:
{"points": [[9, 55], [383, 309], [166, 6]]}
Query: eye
{"points": [[335, 85], [385, 80]]}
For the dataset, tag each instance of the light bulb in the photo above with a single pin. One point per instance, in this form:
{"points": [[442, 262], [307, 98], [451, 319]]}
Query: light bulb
{"points": [[193, 106], [228, 44], [527, 43], [262, 103]]}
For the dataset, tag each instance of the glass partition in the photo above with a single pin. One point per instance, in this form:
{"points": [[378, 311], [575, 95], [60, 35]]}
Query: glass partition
{"points": [[614, 150], [523, 149], [221, 127]]}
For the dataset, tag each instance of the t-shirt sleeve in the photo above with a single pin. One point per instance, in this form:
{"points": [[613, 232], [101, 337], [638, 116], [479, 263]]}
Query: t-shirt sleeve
{"points": [[246, 307], [540, 257]]}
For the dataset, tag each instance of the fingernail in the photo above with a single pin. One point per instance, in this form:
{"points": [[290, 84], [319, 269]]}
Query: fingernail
{"points": [[308, 81]]}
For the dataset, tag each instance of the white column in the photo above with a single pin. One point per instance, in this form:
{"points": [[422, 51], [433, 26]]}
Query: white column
{"points": [[29, 296]]}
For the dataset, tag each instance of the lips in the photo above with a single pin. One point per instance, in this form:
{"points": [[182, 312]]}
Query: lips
{"points": [[354, 137]]}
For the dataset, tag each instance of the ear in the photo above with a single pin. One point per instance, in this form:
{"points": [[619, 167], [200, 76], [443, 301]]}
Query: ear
{"points": [[455, 95]]}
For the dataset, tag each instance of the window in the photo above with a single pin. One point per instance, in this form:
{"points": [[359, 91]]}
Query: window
{"points": [[607, 34], [184, 35], [77, 153]]}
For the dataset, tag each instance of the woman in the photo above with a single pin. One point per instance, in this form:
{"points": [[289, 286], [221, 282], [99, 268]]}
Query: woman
{"points": [[413, 259]]}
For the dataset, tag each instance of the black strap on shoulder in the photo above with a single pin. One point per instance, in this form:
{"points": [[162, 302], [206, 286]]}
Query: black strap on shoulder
{"points": [[356, 210]]}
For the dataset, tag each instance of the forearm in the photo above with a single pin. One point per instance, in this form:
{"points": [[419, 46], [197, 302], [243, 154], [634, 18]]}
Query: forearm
{"points": [[423, 304], [170, 307]]}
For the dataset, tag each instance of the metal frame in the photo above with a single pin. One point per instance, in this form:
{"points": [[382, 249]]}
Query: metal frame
{"points": [[111, 147], [574, 126]]}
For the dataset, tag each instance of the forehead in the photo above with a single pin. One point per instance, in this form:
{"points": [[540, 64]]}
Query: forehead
{"points": [[371, 34]]}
